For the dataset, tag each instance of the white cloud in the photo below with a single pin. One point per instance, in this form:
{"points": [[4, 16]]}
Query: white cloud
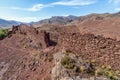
{"points": [[18, 8], [38, 7], [75, 2], [15, 8], [114, 1], [34, 8], [116, 4], [22, 19], [117, 9]]}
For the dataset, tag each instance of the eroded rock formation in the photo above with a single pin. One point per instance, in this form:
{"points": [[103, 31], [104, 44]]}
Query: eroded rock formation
{"points": [[30, 37]]}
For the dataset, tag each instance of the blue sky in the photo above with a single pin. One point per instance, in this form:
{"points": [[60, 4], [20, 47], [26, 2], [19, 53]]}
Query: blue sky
{"points": [[35, 10]]}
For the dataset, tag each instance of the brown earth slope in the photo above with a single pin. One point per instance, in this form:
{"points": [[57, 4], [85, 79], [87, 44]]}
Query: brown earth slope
{"points": [[23, 54], [100, 24]]}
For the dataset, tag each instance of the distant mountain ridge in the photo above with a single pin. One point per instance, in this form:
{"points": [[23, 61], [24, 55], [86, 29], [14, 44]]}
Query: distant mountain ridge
{"points": [[62, 20], [56, 20], [59, 19], [52, 20], [8, 23]]}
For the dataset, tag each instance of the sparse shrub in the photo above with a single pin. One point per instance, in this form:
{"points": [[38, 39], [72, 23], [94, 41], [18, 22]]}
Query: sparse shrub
{"points": [[67, 62], [97, 72], [90, 67], [36, 56], [108, 72], [49, 58], [82, 69], [25, 45], [68, 51], [76, 69], [117, 72], [103, 70], [3, 33]]}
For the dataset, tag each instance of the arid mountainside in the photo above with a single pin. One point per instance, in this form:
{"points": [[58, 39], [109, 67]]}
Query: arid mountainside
{"points": [[61, 20], [24, 54], [100, 24], [87, 48]]}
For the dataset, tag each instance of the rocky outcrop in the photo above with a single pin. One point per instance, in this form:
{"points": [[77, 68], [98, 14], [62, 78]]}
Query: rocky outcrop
{"points": [[89, 46], [76, 72], [30, 37], [3, 68]]}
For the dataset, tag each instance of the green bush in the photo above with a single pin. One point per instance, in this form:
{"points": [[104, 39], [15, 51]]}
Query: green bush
{"points": [[3, 33], [91, 67], [67, 62], [108, 72]]}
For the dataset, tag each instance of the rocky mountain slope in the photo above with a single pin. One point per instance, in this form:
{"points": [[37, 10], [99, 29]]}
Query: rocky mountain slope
{"points": [[28, 54], [62, 20], [79, 50], [100, 24]]}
